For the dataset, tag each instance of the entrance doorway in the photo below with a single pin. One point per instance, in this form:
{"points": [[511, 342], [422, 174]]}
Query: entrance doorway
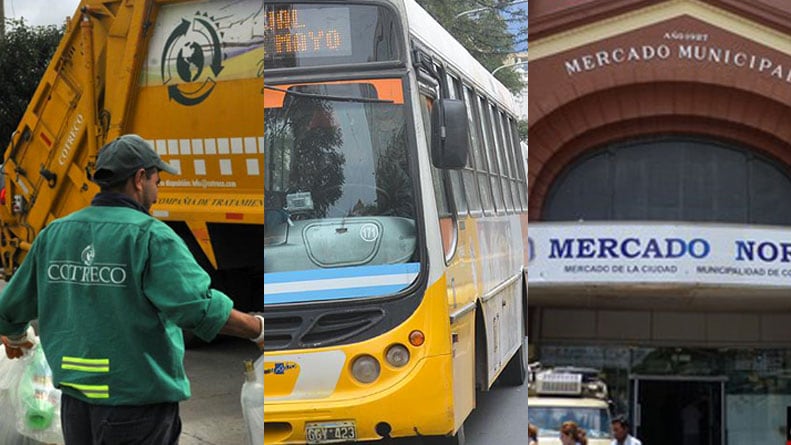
{"points": [[678, 410]]}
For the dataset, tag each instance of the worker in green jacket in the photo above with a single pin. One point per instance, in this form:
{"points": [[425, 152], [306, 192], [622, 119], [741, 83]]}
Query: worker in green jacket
{"points": [[112, 288]]}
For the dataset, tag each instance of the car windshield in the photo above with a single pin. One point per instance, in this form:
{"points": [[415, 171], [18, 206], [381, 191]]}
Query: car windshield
{"points": [[339, 197], [595, 421]]}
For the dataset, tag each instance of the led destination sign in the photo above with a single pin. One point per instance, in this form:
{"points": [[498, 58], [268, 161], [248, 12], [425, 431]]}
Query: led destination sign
{"points": [[302, 35], [308, 32]]}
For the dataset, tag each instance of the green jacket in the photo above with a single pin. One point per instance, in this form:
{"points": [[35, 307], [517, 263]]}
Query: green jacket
{"points": [[112, 287]]}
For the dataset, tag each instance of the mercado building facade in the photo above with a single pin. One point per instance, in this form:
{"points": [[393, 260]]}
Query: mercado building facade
{"points": [[660, 209]]}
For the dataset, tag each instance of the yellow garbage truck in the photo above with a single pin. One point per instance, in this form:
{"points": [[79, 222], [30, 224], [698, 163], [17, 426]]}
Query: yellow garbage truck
{"points": [[187, 76]]}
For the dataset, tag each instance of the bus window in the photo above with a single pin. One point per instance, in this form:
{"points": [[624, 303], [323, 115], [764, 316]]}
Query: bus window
{"points": [[502, 162], [481, 167], [489, 150], [473, 179], [471, 188], [439, 177], [443, 207], [520, 165], [330, 163], [508, 157], [515, 157], [455, 88], [456, 183]]}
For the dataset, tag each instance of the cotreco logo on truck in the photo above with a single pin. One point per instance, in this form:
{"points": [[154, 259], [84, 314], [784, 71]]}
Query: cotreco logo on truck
{"points": [[69, 144]]}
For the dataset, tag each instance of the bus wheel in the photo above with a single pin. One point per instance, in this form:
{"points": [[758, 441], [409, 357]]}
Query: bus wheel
{"points": [[516, 370]]}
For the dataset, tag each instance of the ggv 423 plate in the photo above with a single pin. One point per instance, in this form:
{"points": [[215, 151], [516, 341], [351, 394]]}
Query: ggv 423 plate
{"points": [[330, 432]]}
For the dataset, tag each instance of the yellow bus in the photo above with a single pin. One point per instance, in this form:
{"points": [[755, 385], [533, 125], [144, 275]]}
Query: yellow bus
{"points": [[395, 226]]}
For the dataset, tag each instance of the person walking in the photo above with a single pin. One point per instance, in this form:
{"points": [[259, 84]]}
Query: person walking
{"points": [[532, 434], [620, 430], [572, 434], [112, 288], [691, 415]]}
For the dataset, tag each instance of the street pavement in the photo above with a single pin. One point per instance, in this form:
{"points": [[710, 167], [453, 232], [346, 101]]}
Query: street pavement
{"points": [[500, 417], [213, 416]]}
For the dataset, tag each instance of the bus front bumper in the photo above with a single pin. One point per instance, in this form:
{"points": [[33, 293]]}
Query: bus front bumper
{"points": [[419, 404]]}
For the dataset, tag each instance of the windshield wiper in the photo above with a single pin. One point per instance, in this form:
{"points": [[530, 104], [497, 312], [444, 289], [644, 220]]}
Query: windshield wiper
{"points": [[330, 97]]}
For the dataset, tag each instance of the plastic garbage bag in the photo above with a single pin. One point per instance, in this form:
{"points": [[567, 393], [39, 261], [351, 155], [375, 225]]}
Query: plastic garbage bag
{"points": [[11, 372], [253, 401], [38, 402]]}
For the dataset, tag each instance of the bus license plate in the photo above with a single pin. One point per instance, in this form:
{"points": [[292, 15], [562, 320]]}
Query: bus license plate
{"points": [[329, 432]]}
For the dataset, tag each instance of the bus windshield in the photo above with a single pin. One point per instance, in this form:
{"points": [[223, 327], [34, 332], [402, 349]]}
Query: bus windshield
{"points": [[339, 196], [548, 420]]}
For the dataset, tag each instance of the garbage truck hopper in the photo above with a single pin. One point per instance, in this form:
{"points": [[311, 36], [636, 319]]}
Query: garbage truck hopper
{"points": [[187, 76]]}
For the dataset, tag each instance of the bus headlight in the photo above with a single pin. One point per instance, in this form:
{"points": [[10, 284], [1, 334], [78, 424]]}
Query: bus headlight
{"points": [[366, 369], [397, 355]]}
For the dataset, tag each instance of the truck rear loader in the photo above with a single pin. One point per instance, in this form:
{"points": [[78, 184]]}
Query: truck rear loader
{"points": [[187, 76]]}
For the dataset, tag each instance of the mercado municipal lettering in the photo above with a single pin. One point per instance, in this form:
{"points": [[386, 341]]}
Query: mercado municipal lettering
{"points": [[690, 52], [699, 253], [668, 248], [628, 248]]}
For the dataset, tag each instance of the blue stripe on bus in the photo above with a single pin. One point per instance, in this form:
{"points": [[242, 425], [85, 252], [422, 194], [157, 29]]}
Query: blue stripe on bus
{"points": [[341, 272], [334, 294]]}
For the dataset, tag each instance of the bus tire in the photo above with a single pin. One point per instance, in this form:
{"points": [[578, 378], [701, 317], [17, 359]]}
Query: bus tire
{"points": [[515, 371]]}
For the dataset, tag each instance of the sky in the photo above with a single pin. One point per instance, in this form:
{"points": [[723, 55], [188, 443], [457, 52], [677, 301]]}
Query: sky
{"points": [[517, 28], [54, 12], [40, 12]]}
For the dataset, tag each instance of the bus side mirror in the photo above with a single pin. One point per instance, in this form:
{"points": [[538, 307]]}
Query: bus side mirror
{"points": [[449, 142]]}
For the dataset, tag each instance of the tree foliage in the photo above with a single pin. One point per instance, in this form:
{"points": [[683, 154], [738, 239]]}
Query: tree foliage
{"points": [[522, 128], [315, 163], [25, 53], [482, 26]]}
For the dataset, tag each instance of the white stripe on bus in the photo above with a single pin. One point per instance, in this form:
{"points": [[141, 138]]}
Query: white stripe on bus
{"points": [[318, 374], [340, 283]]}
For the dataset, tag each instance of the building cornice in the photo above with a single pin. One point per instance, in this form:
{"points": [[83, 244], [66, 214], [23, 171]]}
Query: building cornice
{"points": [[550, 17], [635, 19]]}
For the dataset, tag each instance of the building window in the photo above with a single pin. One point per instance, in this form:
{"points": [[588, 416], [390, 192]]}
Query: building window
{"points": [[681, 178]]}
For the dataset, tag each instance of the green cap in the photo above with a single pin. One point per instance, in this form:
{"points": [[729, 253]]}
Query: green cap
{"points": [[121, 158]]}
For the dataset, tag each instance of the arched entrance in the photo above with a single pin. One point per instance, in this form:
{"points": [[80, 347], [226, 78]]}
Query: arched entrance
{"points": [[671, 178]]}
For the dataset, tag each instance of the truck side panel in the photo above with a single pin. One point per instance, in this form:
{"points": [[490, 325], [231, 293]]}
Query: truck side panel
{"points": [[186, 76]]}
